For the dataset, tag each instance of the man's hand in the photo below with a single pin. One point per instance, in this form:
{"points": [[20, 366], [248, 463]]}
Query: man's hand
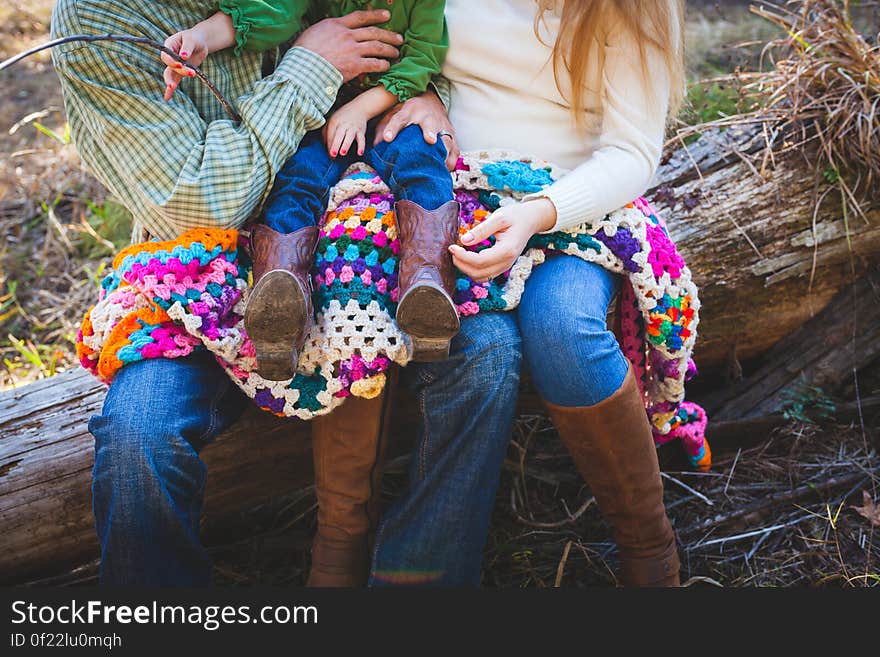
{"points": [[352, 43], [427, 112], [512, 226]]}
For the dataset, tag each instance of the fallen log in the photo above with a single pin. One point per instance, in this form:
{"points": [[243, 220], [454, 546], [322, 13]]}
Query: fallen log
{"points": [[826, 353], [46, 457], [753, 430], [765, 256]]}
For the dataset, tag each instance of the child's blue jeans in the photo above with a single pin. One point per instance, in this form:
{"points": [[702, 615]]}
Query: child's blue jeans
{"points": [[413, 169]]}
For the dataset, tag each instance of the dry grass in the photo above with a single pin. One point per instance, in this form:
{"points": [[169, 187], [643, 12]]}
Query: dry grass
{"points": [[825, 86], [820, 93], [776, 515], [57, 228]]}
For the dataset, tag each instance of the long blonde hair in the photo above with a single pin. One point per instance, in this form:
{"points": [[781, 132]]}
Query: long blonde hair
{"points": [[585, 24]]}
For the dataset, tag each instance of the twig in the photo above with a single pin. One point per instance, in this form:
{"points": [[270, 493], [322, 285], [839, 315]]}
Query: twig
{"points": [[696, 579], [732, 468], [559, 523], [561, 567], [688, 488], [757, 532], [126, 38], [772, 500]]}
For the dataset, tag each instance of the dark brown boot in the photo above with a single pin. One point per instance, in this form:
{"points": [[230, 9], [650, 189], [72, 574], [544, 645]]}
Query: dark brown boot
{"points": [[426, 311], [278, 315], [613, 448], [348, 447]]}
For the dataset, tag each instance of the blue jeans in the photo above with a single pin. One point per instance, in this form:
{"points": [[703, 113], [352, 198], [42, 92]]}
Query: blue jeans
{"points": [[435, 533], [413, 169], [571, 355], [149, 480]]}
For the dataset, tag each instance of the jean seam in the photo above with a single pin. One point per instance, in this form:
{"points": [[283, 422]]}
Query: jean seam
{"points": [[392, 183], [423, 450], [212, 426]]}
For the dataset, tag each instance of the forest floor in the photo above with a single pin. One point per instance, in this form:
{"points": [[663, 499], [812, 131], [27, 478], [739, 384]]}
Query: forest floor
{"points": [[783, 513]]}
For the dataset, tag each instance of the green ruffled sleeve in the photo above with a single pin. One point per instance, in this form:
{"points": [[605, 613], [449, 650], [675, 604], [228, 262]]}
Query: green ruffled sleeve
{"points": [[425, 42], [263, 24]]}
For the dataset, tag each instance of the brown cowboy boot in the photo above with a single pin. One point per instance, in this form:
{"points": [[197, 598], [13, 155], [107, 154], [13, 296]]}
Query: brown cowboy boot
{"points": [[348, 449], [426, 311], [613, 448], [278, 315]]}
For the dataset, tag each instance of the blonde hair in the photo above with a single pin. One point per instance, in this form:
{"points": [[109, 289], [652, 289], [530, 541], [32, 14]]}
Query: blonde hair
{"points": [[586, 24]]}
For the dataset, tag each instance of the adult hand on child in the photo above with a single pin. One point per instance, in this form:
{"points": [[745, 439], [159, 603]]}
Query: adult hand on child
{"points": [[512, 226], [353, 44], [427, 112], [192, 46]]}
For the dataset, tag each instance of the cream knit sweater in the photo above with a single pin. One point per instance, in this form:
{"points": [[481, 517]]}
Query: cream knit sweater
{"points": [[504, 96]]}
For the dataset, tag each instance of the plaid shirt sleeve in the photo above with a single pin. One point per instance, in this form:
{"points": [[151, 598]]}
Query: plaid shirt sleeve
{"points": [[171, 167]]}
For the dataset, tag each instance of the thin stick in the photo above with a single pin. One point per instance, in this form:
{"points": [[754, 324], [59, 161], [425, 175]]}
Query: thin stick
{"points": [[561, 567], [125, 38], [757, 532], [774, 499], [688, 488], [732, 468], [553, 525]]}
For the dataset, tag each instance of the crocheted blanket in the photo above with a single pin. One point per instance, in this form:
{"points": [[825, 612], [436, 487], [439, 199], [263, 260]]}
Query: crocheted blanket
{"points": [[168, 299]]}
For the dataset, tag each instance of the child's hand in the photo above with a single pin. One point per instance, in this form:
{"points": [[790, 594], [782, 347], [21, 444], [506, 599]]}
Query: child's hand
{"points": [[347, 125], [192, 46]]}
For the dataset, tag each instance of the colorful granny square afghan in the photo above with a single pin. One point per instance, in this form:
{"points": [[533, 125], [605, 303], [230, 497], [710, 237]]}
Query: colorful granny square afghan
{"points": [[167, 299]]}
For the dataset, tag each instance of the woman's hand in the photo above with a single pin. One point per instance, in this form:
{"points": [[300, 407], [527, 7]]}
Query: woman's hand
{"points": [[427, 112], [512, 226]]}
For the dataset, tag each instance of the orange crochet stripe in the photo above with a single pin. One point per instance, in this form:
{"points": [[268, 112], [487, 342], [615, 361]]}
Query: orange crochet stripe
{"points": [[82, 351], [109, 364], [210, 237]]}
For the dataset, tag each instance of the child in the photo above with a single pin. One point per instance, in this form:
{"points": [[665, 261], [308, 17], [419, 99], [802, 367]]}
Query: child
{"points": [[279, 311]]}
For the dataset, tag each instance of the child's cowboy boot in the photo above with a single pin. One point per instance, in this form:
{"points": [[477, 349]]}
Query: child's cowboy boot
{"points": [[348, 447], [426, 311], [613, 448], [278, 315]]}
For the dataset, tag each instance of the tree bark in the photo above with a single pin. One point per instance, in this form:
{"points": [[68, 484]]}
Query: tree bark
{"points": [[828, 353], [765, 258]]}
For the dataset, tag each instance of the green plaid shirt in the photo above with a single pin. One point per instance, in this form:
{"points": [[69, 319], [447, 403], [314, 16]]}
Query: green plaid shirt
{"points": [[183, 164]]}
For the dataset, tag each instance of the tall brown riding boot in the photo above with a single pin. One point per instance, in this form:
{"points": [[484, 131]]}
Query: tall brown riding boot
{"points": [[426, 311], [348, 447], [613, 448], [278, 315]]}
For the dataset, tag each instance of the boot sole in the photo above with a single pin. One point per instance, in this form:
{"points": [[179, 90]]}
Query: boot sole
{"points": [[428, 316], [274, 319]]}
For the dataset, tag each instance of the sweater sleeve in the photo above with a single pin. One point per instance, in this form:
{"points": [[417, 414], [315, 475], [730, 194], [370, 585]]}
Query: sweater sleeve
{"points": [[631, 138], [263, 24], [425, 43]]}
